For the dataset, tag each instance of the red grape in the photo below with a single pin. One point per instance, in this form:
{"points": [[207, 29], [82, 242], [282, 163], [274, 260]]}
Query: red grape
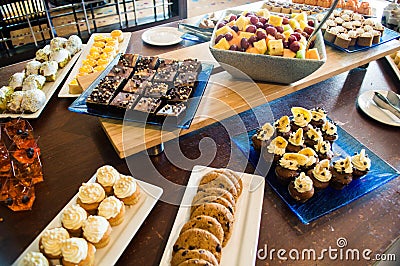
{"points": [[261, 34], [285, 21], [232, 17], [228, 36], [279, 29], [233, 47], [271, 30], [311, 23], [253, 20], [251, 28], [294, 46], [292, 39], [244, 43], [309, 30], [218, 38], [252, 39]]}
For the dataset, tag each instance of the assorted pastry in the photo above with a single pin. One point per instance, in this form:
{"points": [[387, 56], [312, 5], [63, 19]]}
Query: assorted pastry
{"points": [[212, 216], [300, 149], [86, 225], [24, 92], [102, 51], [146, 86], [20, 165]]}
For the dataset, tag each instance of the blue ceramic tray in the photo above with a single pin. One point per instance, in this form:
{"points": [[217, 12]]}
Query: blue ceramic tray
{"points": [[79, 105], [327, 200], [387, 36]]}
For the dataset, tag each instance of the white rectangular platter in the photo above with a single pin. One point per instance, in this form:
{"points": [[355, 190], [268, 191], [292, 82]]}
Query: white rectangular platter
{"points": [[64, 92], [121, 234], [242, 246], [49, 88], [393, 65]]}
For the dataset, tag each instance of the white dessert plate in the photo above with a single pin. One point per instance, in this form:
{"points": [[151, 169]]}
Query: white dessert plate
{"points": [[162, 36], [49, 88], [64, 92], [242, 246], [121, 234], [368, 106]]}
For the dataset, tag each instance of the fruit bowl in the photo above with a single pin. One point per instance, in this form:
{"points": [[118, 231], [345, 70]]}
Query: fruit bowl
{"points": [[264, 67]]}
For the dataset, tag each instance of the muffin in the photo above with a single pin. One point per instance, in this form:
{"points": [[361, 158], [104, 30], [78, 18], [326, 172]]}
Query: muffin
{"points": [[77, 252], [312, 158], [301, 189], [318, 117], [365, 39], [361, 164], [113, 210], [312, 137], [301, 118], [323, 150], [90, 195], [353, 37], [72, 219], [341, 171], [282, 127], [288, 167], [320, 175], [376, 36], [51, 240], [127, 190], [34, 258], [296, 141], [342, 40], [106, 176], [329, 131], [277, 148], [262, 135], [330, 34], [97, 230]]}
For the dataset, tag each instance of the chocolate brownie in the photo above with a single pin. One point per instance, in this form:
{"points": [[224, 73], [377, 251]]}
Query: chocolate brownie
{"points": [[168, 65], [104, 91], [155, 89], [134, 86], [167, 77], [172, 110], [185, 79], [123, 101], [190, 65], [147, 105], [178, 94], [128, 60], [187, 254], [146, 62], [120, 71], [207, 223]]}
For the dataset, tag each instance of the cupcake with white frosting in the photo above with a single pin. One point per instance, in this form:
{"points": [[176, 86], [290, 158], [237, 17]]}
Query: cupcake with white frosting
{"points": [[33, 258], [72, 219], [113, 210], [77, 251], [320, 175], [127, 190], [106, 176], [342, 173], [262, 135], [302, 188], [361, 164], [90, 195], [277, 148], [97, 230], [51, 240], [282, 127]]}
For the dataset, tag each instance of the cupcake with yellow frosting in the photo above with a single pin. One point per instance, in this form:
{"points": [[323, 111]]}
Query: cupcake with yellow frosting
{"points": [[72, 219], [34, 258], [320, 175], [312, 136], [77, 252], [282, 127], [289, 166], [318, 117], [117, 34], [97, 230], [323, 149], [106, 176], [329, 131], [295, 141], [90, 195], [342, 173], [301, 118], [51, 240], [262, 135], [127, 190], [361, 164], [301, 189], [113, 210], [277, 148], [312, 158]]}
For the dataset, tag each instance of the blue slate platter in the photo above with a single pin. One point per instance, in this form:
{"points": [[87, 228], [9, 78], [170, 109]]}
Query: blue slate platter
{"points": [[388, 35], [329, 199], [79, 105]]}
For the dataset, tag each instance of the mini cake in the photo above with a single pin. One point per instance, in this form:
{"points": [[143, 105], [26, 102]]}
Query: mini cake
{"points": [[106, 176], [113, 210], [5, 94], [377, 36], [361, 164], [33, 100], [342, 40], [90, 195], [123, 101], [72, 219], [301, 189], [77, 252], [288, 167], [120, 71], [301, 118], [127, 190], [74, 44], [14, 103], [51, 240], [353, 37], [42, 55], [118, 35], [329, 131], [330, 34], [128, 60], [277, 148], [97, 230], [282, 127], [61, 56], [323, 149], [32, 67], [341, 170], [318, 117], [33, 81], [262, 135], [16, 80], [33, 258], [156, 89], [312, 137], [58, 42], [312, 158], [365, 39], [295, 141], [147, 105], [49, 70], [320, 175]]}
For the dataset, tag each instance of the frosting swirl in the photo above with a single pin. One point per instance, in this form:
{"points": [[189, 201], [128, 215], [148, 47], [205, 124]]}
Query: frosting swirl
{"points": [[73, 217], [110, 207], [323, 147], [125, 186], [296, 138], [301, 116], [361, 161], [277, 146], [94, 228], [283, 124], [343, 165], [265, 132], [107, 175], [318, 114], [329, 128], [74, 249], [314, 134], [51, 240], [91, 192], [303, 183], [33, 258], [321, 172], [311, 156]]}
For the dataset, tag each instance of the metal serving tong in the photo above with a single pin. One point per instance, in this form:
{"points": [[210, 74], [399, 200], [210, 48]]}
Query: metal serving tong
{"points": [[194, 30], [391, 102]]}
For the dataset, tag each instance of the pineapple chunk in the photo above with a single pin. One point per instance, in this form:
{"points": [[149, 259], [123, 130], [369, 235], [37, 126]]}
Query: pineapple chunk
{"points": [[242, 22], [223, 30], [294, 24], [261, 46], [275, 20], [245, 34], [275, 47], [263, 13], [222, 44], [301, 17], [303, 24]]}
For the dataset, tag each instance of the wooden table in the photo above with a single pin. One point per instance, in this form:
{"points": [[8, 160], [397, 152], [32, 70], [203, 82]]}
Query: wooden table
{"points": [[73, 146]]}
